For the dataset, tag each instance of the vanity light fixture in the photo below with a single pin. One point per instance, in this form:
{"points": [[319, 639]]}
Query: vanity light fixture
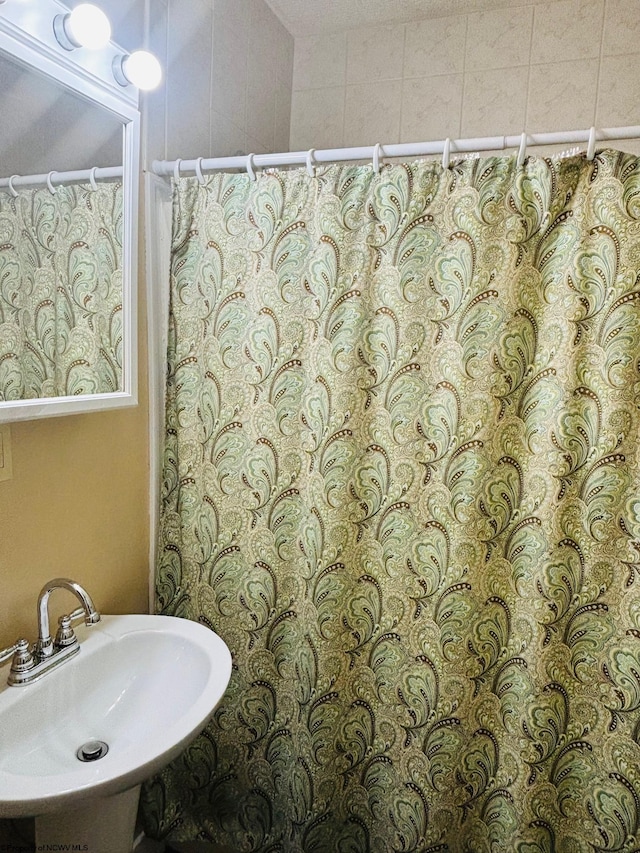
{"points": [[139, 68], [85, 26]]}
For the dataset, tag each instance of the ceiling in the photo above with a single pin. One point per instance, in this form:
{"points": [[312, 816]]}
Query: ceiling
{"points": [[312, 17]]}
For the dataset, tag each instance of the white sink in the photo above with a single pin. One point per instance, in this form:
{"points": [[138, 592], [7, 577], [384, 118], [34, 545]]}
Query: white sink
{"points": [[145, 685]]}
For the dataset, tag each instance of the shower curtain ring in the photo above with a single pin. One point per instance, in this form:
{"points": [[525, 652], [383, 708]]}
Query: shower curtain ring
{"points": [[250, 167], [92, 179], [311, 171], [522, 151], [446, 154], [12, 189], [377, 151], [176, 170], [591, 147], [199, 174], [52, 189]]}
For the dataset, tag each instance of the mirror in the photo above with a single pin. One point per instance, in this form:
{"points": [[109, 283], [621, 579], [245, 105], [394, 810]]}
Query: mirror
{"points": [[69, 160]]}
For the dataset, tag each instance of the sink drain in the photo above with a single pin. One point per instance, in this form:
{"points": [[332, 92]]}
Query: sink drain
{"points": [[92, 750]]}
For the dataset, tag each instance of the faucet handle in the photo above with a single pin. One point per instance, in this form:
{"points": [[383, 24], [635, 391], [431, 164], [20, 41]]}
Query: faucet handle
{"points": [[22, 659], [5, 654], [65, 636]]}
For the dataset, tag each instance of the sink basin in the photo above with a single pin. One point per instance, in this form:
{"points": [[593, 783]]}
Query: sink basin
{"points": [[144, 685]]}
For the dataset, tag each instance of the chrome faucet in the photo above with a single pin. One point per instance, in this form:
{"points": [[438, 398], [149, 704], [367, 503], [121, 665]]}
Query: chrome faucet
{"points": [[45, 646], [29, 664]]}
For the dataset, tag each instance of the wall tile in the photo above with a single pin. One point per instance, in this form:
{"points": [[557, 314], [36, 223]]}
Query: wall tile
{"points": [[494, 102], [189, 79], [261, 106], [270, 69], [189, 21], [285, 62], [227, 139], [621, 27], [229, 62], [229, 80], [320, 61], [435, 47], [409, 82], [284, 90], [265, 38], [500, 38], [268, 35], [264, 25], [567, 29], [317, 119], [282, 119], [431, 108], [372, 113], [186, 137], [562, 95], [618, 91], [233, 14], [257, 146], [154, 104], [375, 53]]}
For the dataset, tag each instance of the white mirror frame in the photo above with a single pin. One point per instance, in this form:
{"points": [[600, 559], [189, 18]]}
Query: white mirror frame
{"points": [[26, 33]]}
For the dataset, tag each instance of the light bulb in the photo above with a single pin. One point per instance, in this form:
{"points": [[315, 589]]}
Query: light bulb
{"points": [[140, 68], [85, 26]]}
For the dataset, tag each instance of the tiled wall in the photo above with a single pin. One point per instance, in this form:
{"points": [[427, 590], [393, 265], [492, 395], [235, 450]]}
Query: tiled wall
{"points": [[228, 87], [542, 67]]}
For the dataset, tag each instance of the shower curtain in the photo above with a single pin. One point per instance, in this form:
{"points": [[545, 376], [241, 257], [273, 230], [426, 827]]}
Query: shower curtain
{"points": [[61, 291], [401, 481]]}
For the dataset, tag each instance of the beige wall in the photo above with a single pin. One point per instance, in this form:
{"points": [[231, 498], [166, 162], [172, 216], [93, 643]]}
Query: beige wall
{"points": [[542, 67], [76, 507]]}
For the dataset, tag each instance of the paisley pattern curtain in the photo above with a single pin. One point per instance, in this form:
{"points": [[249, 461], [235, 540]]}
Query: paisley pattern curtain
{"points": [[61, 291], [401, 480]]}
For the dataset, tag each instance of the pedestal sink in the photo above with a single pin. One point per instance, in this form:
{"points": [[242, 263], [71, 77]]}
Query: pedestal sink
{"points": [[142, 685]]}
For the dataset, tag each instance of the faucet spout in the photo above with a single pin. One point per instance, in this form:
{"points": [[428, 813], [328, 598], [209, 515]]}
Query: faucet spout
{"points": [[44, 645]]}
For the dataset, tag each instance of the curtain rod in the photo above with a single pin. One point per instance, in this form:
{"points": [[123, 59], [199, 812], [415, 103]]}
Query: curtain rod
{"points": [[51, 179], [446, 147]]}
